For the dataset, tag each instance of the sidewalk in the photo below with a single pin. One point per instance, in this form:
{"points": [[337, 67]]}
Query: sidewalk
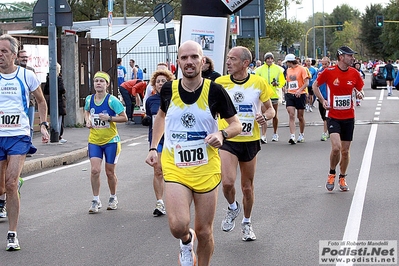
{"points": [[55, 154]]}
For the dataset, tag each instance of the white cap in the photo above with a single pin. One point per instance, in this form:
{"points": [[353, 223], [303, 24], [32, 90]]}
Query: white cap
{"points": [[289, 57]]}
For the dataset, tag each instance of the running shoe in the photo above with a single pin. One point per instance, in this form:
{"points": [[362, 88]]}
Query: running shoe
{"points": [[95, 205], [186, 255], [62, 141], [112, 203], [310, 109], [228, 223], [20, 183], [342, 184], [301, 139], [3, 210], [159, 210], [275, 137], [330, 182], [324, 136], [247, 232], [263, 139], [12, 242], [292, 140]]}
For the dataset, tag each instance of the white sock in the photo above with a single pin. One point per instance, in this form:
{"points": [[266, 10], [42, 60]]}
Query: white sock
{"points": [[302, 134], [293, 136], [160, 201], [112, 196], [246, 220], [97, 198], [12, 232], [233, 206], [3, 197]]}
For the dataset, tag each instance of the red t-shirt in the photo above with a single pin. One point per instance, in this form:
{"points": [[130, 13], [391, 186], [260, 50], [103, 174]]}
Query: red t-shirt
{"points": [[135, 86], [340, 85]]}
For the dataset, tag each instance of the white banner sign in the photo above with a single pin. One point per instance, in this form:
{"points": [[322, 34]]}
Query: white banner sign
{"points": [[210, 33], [38, 59]]}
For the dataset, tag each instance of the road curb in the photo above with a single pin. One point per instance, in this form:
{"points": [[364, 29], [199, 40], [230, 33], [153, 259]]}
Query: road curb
{"points": [[58, 160], [52, 161]]}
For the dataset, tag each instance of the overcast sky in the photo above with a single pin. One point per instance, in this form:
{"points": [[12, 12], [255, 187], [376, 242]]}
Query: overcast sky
{"points": [[306, 11]]}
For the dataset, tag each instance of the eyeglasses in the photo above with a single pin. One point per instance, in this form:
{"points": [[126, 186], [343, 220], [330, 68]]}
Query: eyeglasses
{"points": [[161, 80], [24, 57]]}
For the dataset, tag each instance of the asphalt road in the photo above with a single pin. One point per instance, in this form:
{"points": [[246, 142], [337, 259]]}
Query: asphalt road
{"points": [[292, 210]]}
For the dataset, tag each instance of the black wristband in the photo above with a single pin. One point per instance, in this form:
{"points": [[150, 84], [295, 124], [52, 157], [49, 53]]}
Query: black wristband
{"points": [[264, 117], [152, 149]]}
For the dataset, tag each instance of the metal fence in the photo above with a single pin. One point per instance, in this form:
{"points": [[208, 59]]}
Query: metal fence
{"points": [[147, 58]]}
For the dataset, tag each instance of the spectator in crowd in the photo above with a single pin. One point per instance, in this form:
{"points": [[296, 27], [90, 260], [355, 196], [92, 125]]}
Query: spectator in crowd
{"points": [[140, 73], [121, 71], [134, 69], [208, 69], [61, 101]]}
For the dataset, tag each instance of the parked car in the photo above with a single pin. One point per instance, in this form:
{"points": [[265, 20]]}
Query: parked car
{"points": [[377, 78]]}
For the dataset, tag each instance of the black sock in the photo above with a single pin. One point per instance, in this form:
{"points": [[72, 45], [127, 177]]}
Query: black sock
{"points": [[188, 241], [341, 175], [332, 171]]}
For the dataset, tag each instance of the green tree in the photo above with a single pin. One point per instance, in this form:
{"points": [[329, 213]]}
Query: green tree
{"points": [[390, 36], [370, 34]]}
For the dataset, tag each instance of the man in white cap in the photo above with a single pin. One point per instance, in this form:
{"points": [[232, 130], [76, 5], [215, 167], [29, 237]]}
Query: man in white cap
{"points": [[295, 96], [274, 76]]}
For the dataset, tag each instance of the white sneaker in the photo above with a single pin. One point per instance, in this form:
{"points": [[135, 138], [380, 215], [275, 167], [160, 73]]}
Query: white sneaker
{"points": [[159, 209], [275, 137], [247, 232], [301, 139], [112, 203], [95, 205], [310, 109], [186, 255], [62, 141], [263, 139], [292, 139]]}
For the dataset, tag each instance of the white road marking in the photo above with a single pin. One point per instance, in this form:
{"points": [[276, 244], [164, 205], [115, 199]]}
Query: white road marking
{"points": [[355, 212]]}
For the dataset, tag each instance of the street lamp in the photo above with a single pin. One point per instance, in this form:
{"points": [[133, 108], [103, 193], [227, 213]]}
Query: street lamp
{"points": [[296, 12]]}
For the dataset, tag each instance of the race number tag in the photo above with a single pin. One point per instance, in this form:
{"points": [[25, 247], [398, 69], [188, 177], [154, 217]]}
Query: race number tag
{"points": [[293, 85], [96, 122], [8, 120], [191, 153], [342, 102], [247, 126]]}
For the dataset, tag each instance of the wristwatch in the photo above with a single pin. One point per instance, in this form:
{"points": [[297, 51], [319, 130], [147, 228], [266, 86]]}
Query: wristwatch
{"points": [[45, 124], [224, 134]]}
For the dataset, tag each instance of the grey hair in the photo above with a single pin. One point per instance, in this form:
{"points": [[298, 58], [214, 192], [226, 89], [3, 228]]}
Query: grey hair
{"points": [[14, 43], [245, 53]]}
